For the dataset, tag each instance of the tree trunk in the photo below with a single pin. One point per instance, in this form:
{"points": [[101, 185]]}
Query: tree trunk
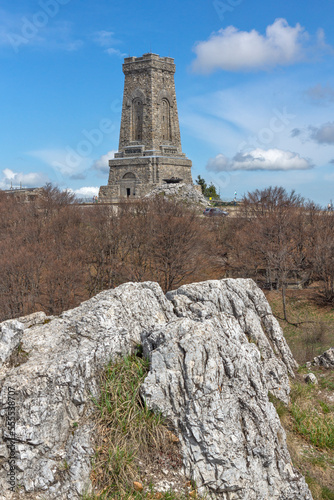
{"points": [[284, 301]]}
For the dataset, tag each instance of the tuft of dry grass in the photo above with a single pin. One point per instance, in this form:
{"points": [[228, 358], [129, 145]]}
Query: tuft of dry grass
{"points": [[309, 425], [132, 443], [313, 416]]}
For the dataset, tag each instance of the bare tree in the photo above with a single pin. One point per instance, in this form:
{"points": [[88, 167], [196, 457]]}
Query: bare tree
{"points": [[155, 240], [321, 250], [175, 242], [273, 235], [41, 246]]}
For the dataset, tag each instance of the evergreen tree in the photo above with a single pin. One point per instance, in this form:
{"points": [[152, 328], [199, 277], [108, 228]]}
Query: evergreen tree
{"points": [[207, 191]]}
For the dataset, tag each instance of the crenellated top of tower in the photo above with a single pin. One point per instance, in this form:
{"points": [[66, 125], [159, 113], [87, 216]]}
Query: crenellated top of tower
{"points": [[146, 61]]}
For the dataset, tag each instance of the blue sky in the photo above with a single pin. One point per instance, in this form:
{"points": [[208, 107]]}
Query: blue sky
{"points": [[254, 83]]}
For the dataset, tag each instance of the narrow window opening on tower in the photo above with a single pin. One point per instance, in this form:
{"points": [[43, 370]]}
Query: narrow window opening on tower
{"points": [[166, 125], [137, 119], [128, 192]]}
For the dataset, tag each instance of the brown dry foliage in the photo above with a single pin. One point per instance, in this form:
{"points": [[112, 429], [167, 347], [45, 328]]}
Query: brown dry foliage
{"points": [[279, 238], [54, 254]]}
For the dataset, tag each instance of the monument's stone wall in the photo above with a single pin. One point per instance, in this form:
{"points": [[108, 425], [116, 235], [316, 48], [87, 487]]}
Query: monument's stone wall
{"points": [[149, 80], [150, 143]]}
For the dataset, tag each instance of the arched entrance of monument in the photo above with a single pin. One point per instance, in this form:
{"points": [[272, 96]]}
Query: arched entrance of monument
{"points": [[128, 185]]}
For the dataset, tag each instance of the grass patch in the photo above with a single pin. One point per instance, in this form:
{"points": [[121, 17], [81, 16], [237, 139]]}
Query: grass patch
{"points": [[314, 334], [18, 356], [327, 381], [319, 492], [314, 425], [131, 439], [314, 486], [309, 424], [127, 428], [312, 415], [327, 494]]}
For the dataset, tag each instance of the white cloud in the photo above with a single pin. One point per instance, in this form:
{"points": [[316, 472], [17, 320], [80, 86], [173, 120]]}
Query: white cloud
{"points": [[245, 116], [102, 164], [79, 176], [66, 161], [17, 179], [115, 52], [233, 50], [107, 40], [8, 174], [85, 192], [321, 42], [104, 38], [219, 164], [259, 159], [323, 134], [37, 29]]}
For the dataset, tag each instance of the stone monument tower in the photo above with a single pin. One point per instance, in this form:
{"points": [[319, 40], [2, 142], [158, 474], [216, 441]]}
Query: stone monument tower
{"points": [[149, 152]]}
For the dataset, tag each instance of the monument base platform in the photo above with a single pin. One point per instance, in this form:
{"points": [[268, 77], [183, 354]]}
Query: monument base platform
{"points": [[132, 178]]}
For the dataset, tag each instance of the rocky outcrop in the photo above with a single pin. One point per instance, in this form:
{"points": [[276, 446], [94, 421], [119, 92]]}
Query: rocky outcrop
{"points": [[215, 351], [243, 300], [210, 373], [187, 193], [11, 332], [206, 378], [326, 360], [56, 380]]}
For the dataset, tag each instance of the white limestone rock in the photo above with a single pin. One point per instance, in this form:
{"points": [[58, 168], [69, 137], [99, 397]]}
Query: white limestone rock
{"points": [[208, 381], [55, 384], [215, 351], [326, 359], [37, 318], [11, 333], [181, 192], [310, 378], [243, 300]]}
